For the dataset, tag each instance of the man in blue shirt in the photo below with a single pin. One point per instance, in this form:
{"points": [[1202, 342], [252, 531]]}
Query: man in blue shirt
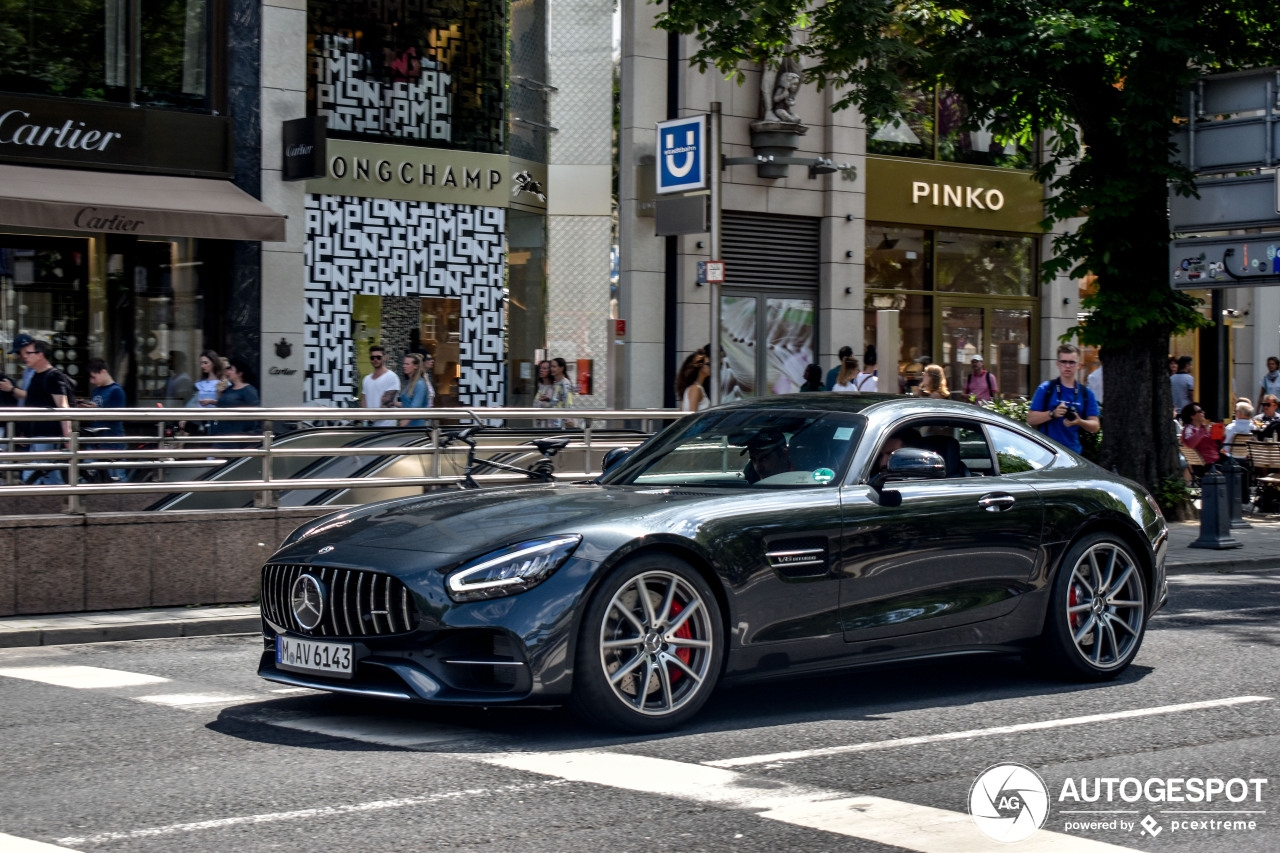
{"points": [[106, 395], [1062, 407]]}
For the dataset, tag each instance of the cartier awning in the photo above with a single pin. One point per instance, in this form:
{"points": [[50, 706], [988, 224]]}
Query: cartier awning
{"points": [[121, 203]]}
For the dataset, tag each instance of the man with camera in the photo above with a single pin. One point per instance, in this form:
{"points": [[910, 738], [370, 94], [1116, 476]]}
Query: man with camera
{"points": [[1062, 407]]}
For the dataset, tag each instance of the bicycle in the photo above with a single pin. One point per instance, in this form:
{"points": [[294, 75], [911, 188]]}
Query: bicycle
{"points": [[543, 470]]}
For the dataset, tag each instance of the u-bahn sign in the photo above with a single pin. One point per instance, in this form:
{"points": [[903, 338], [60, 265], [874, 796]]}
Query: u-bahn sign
{"points": [[682, 155]]}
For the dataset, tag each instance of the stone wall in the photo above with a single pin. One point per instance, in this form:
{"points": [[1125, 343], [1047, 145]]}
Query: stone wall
{"points": [[117, 561]]}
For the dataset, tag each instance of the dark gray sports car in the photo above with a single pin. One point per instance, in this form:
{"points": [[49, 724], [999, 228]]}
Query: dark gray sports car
{"points": [[790, 536]]}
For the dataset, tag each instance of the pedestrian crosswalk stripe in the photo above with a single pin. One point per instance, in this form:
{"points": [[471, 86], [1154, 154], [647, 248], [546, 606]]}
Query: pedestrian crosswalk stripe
{"points": [[81, 677], [844, 749], [202, 699], [897, 824], [14, 844]]}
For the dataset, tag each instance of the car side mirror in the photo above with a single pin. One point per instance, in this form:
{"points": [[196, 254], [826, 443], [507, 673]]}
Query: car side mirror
{"points": [[613, 457], [907, 463]]}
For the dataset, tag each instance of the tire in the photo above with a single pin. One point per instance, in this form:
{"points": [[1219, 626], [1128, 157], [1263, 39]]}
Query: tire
{"points": [[1097, 612], [671, 636]]}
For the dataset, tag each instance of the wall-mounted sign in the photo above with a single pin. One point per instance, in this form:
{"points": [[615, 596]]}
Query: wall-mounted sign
{"points": [[65, 132], [710, 272], [944, 195], [682, 155], [377, 170], [303, 157]]}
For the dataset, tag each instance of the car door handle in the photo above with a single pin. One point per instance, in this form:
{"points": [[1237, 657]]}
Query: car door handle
{"points": [[995, 502]]}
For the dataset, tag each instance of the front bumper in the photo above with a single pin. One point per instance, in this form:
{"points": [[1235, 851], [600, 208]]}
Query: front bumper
{"points": [[511, 650]]}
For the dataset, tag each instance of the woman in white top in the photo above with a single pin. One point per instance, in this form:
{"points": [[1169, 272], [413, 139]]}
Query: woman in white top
{"points": [[846, 380], [693, 373]]}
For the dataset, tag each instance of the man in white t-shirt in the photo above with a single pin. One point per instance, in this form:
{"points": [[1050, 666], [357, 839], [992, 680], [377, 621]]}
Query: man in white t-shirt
{"points": [[377, 384]]}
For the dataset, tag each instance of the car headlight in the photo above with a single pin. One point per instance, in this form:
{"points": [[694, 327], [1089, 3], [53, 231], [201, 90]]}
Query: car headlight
{"points": [[511, 570]]}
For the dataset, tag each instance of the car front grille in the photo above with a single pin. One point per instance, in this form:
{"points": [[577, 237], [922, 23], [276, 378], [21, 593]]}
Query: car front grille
{"points": [[356, 604]]}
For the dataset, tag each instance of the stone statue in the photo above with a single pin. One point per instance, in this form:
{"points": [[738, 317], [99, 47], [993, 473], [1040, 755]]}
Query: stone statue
{"points": [[778, 90]]}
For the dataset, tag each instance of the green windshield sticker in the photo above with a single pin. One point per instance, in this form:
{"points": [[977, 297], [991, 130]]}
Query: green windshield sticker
{"points": [[823, 475], [843, 434]]}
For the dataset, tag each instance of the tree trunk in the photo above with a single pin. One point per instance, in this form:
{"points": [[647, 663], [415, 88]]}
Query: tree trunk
{"points": [[1138, 435]]}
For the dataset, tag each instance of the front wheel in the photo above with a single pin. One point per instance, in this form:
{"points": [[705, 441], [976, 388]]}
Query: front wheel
{"points": [[1097, 614], [650, 649]]}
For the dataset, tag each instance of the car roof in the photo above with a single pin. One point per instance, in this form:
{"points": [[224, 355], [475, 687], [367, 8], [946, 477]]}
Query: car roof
{"points": [[834, 401]]}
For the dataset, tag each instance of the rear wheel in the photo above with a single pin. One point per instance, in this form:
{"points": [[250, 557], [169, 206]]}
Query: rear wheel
{"points": [[650, 650], [1098, 612]]}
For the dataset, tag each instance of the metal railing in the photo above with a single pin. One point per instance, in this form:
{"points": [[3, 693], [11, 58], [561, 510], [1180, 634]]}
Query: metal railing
{"points": [[159, 454]]}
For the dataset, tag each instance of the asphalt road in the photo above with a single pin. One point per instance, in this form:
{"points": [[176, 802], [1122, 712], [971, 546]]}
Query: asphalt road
{"points": [[165, 745]]}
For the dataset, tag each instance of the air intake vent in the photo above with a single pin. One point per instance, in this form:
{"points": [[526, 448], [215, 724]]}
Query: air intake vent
{"points": [[798, 558], [356, 603], [762, 250]]}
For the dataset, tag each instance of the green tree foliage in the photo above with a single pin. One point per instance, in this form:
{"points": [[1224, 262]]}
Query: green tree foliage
{"points": [[1097, 80]]}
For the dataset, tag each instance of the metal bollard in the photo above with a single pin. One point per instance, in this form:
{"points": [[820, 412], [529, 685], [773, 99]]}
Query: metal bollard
{"points": [[1215, 515], [1234, 475]]}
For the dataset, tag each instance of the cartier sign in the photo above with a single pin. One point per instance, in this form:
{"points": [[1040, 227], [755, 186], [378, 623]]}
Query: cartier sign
{"points": [[93, 135]]}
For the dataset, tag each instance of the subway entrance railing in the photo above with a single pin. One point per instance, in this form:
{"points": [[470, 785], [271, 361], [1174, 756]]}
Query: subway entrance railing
{"points": [[155, 459]]}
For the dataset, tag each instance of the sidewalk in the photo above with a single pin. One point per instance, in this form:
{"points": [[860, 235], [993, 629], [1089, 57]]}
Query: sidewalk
{"points": [[1260, 550]]}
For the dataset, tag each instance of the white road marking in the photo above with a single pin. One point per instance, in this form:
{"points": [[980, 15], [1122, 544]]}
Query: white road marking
{"points": [[823, 752], [299, 814], [406, 734], [178, 700], [906, 825], [14, 844], [81, 677]]}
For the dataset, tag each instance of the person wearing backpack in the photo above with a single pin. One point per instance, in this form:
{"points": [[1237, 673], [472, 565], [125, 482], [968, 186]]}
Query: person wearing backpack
{"points": [[981, 384], [1062, 407]]}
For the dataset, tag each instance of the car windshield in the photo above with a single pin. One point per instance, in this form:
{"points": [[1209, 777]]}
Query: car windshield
{"points": [[746, 449]]}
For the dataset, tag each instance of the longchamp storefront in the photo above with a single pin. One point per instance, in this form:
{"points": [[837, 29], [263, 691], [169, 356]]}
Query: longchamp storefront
{"points": [[118, 228]]}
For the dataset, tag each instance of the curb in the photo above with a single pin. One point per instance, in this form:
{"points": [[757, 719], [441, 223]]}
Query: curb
{"points": [[1248, 564], [214, 626]]}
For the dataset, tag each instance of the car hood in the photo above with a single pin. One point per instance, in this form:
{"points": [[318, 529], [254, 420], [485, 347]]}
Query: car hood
{"points": [[465, 523]]}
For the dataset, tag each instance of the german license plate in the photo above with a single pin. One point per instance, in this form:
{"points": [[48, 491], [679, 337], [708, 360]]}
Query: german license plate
{"points": [[300, 655]]}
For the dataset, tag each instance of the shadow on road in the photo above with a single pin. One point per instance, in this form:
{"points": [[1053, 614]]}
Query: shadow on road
{"points": [[863, 695]]}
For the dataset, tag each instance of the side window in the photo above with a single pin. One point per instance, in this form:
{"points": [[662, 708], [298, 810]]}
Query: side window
{"points": [[1016, 454], [974, 452]]}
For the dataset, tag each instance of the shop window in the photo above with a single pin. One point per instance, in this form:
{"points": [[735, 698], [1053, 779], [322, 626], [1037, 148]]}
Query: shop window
{"points": [[898, 258], [915, 330], [440, 332], [146, 52], [429, 73], [932, 125], [985, 263], [525, 303]]}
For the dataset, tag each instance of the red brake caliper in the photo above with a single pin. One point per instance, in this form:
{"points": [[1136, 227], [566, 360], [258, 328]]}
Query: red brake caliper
{"points": [[684, 633], [1072, 601]]}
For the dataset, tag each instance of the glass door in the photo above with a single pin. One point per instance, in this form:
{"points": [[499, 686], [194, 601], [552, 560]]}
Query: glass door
{"points": [[1002, 336], [766, 342]]}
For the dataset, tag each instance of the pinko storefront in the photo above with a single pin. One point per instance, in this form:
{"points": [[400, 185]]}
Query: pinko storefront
{"points": [[954, 249], [119, 231]]}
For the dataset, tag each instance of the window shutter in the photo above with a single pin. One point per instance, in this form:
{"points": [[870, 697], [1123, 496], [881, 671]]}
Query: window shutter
{"points": [[764, 250]]}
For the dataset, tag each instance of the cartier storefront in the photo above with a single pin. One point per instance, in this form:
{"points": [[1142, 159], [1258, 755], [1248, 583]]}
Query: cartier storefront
{"points": [[117, 228]]}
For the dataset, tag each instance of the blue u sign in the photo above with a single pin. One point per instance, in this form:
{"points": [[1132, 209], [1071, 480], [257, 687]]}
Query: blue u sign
{"points": [[682, 154]]}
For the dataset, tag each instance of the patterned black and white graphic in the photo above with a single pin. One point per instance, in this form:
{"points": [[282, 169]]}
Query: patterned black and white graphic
{"points": [[383, 247], [408, 99]]}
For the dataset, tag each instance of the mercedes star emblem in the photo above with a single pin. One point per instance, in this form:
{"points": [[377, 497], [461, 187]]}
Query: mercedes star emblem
{"points": [[308, 601]]}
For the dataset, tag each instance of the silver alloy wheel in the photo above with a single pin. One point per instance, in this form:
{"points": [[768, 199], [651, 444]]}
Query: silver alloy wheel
{"points": [[656, 643], [1105, 605]]}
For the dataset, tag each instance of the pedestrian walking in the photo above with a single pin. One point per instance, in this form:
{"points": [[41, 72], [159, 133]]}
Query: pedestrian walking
{"points": [[869, 378], [418, 392], [980, 386], [381, 387], [834, 373], [50, 388], [1183, 385], [106, 395], [1270, 380], [690, 381], [239, 395]]}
